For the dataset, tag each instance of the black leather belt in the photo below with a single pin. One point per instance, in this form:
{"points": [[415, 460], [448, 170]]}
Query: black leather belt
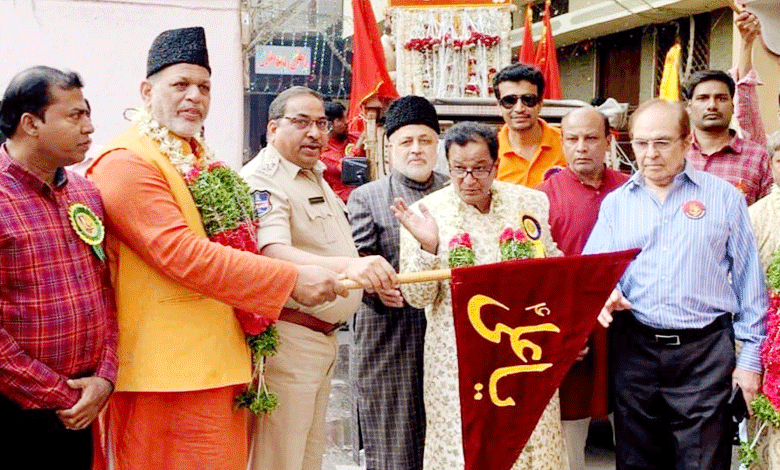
{"points": [[676, 337]]}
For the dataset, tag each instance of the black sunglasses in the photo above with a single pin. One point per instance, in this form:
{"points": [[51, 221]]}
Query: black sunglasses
{"points": [[509, 101]]}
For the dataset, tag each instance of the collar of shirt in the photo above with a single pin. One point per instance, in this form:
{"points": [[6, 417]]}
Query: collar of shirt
{"points": [[688, 173], [27, 178], [547, 141], [733, 146], [294, 170], [574, 177], [410, 183]]}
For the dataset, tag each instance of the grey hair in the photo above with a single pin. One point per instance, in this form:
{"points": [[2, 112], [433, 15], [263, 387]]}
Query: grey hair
{"points": [[278, 106]]}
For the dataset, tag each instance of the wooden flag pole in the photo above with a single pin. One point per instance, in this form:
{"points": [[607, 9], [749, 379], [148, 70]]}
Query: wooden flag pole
{"points": [[735, 6], [408, 278]]}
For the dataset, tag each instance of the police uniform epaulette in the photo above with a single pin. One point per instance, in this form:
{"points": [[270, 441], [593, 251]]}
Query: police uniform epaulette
{"points": [[269, 163]]}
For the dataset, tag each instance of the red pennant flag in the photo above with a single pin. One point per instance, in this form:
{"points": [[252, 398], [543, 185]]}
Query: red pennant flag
{"points": [[527, 48], [369, 71], [519, 326], [547, 59]]}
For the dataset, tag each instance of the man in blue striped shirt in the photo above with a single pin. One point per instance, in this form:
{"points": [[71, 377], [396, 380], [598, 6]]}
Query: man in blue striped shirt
{"points": [[695, 286]]}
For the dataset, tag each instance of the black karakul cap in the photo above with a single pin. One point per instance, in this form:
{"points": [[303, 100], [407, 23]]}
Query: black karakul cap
{"points": [[176, 46], [410, 110]]}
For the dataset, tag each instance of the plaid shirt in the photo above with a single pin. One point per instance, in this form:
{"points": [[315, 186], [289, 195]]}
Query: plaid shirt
{"points": [[57, 314], [742, 163]]}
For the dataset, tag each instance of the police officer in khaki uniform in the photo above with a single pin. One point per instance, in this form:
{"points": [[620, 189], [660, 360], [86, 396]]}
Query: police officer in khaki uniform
{"points": [[303, 221]]}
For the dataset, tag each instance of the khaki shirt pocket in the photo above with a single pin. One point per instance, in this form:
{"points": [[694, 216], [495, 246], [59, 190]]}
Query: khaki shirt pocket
{"points": [[324, 228]]}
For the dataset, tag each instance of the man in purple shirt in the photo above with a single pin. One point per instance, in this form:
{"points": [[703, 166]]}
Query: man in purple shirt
{"points": [[717, 149], [575, 195]]}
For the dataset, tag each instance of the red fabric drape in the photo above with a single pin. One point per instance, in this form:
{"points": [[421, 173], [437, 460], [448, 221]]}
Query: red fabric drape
{"points": [[527, 48], [547, 59], [519, 326], [369, 71]]}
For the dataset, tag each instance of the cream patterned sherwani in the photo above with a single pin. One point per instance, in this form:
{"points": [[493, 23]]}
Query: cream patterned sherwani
{"points": [[443, 442]]}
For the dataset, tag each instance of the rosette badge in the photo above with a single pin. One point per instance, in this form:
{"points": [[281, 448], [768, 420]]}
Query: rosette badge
{"points": [[461, 251], [88, 227]]}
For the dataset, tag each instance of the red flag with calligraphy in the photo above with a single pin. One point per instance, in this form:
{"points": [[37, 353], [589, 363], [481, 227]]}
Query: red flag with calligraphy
{"points": [[527, 47], [369, 71], [519, 326], [547, 59]]}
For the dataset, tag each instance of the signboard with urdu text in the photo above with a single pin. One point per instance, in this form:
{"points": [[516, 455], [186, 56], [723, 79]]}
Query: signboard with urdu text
{"points": [[283, 60]]}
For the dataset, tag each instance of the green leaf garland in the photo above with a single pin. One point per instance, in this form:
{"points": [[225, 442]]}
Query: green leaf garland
{"points": [[223, 199]]}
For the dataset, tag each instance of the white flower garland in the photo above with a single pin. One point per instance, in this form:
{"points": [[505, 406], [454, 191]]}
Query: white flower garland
{"points": [[170, 146], [450, 51]]}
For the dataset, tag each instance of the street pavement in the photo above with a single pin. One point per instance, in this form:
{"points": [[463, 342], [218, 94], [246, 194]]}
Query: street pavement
{"points": [[338, 427]]}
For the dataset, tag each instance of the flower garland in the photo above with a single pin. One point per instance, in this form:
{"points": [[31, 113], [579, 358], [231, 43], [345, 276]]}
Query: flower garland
{"points": [[514, 244], [770, 351], [225, 205], [461, 251], [450, 51]]}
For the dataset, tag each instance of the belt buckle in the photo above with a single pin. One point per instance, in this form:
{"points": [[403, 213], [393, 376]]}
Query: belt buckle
{"points": [[669, 340]]}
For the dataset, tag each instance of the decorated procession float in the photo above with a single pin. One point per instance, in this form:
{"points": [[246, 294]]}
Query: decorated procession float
{"points": [[449, 51], [445, 50]]}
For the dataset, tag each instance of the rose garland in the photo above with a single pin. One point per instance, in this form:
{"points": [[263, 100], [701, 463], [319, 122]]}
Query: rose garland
{"points": [[514, 244], [225, 205], [770, 351], [461, 251]]}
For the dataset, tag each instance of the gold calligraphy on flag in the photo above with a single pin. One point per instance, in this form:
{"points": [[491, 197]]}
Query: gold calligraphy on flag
{"points": [[519, 325], [519, 345]]}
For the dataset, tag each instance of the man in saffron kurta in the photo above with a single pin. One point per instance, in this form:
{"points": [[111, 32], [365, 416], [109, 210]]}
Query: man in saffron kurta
{"points": [[181, 351], [527, 146], [575, 195]]}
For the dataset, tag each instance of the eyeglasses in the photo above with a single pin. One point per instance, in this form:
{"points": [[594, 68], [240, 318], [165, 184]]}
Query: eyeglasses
{"points": [[476, 173], [304, 123], [509, 101], [643, 145]]}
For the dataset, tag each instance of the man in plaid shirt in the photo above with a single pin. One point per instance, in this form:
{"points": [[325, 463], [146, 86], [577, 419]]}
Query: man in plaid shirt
{"points": [[58, 328], [717, 149]]}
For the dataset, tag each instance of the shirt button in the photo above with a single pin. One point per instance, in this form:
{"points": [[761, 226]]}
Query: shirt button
{"points": [[663, 278]]}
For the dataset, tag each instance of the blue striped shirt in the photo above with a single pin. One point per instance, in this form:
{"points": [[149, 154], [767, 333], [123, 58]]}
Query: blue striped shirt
{"points": [[681, 279]]}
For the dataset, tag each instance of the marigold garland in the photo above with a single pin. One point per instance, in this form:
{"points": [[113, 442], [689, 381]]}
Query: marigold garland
{"points": [[225, 205]]}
